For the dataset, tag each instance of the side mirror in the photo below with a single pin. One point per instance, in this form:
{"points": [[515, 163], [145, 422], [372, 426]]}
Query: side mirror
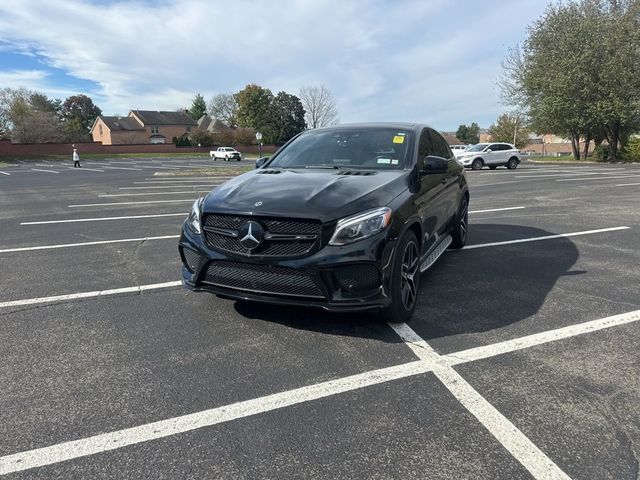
{"points": [[432, 165], [261, 161]]}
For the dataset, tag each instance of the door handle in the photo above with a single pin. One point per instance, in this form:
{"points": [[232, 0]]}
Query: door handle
{"points": [[444, 180]]}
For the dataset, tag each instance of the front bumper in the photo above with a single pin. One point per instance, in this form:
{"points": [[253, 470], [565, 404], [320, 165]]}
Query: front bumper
{"points": [[348, 278]]}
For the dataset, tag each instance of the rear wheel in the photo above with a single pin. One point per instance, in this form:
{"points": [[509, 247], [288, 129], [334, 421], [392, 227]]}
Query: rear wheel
{"points": [[405, 280], [460, 226], [477, 164], [512, 163]]}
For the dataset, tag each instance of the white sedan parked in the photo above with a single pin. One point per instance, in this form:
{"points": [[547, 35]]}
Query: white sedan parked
{"points": [[491, 155]]}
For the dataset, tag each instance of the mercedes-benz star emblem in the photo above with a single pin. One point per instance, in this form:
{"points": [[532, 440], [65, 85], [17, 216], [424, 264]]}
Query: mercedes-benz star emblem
{"points": [[251, 235]]}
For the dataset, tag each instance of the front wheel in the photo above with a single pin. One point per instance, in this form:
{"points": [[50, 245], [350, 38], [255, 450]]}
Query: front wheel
{"points": [[405, 280], [477, 164], [460, 225], [512, 163]]}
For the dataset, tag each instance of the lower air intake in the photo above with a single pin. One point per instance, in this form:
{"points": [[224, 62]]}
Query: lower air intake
{"points": [[270, 279]]}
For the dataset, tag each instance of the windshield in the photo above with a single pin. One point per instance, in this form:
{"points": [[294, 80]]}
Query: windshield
{"points": [[368, 148], [477, 148]]}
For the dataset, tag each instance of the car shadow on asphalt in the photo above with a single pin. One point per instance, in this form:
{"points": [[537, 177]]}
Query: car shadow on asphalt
{"points": [[479, 290], [465, 292]]}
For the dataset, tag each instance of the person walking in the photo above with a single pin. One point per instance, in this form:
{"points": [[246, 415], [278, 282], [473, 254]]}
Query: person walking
{"points": [[76, 159]]}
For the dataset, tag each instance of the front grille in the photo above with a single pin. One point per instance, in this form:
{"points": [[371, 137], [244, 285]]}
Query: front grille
{"points": [[271, 279], [271, 225]]}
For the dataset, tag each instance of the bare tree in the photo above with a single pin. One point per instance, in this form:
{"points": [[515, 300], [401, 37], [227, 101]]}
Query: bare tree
{"points": [[223, 106], [319, 105]]}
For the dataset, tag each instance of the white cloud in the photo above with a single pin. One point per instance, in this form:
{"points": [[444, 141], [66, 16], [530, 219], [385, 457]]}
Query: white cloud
{"points": [[382, 60]]}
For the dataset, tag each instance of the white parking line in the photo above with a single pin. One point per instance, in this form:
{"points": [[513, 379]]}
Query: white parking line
{"points": [[123, 168], [509, 436], [84, 169], [545, 237], [496, 209], [178, 179], [169, 178], [487, 351], [626, 184], [97, 293], [171, 186], [39, 170], [132, 203], [551, 175], [600, 178], [84, 244], [5, 173], [78, 220], [148, 193]]}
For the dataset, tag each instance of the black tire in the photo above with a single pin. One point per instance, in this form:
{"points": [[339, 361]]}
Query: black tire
{"points": [[405, 282], [493, 167], [512, 164], [477, 164], [460, 225]]}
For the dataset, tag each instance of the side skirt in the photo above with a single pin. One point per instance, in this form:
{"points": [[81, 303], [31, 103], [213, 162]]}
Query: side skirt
{"points": [[435, 253]]}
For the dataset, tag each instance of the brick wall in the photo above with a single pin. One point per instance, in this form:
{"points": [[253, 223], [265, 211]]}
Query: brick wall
{"points": [[20, 149]]}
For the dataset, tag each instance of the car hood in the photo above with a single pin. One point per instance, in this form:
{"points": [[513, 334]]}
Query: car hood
{"points": [[320, 194]]}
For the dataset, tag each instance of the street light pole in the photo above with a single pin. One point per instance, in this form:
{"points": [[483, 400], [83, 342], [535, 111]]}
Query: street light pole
{"points": [[259, 139]]}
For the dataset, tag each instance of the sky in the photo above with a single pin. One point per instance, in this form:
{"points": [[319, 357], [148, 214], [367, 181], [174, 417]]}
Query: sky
{"points": [[428, 61]]}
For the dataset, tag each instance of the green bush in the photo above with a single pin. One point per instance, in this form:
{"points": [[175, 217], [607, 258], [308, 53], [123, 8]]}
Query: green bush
{"points": [[631, 151], [600, 153], [182, 141], [202, 138]]}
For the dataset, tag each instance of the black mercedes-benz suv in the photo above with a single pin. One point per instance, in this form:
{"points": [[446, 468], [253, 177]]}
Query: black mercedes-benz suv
{"points": [[342, 218]]}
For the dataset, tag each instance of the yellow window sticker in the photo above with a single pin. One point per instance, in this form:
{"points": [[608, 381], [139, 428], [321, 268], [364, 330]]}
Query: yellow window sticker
{"points": [[398, 139]]}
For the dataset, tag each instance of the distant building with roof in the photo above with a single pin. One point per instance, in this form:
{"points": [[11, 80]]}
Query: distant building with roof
{"points": [[142, 126], [210, 124]]}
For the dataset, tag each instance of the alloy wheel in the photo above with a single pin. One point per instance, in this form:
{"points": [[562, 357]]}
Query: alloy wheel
{"points": [[408, 275], [464, 220]]}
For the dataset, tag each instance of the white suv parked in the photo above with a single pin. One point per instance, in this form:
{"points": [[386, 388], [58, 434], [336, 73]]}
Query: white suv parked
{"points": [[491, 155], [457, 149]]}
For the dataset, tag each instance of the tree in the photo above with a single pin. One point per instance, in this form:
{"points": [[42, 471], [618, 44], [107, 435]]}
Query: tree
{"points": [[28, 117], [244, 136], [469, 134], [224, 106], [287, 117], [198, 107], [576, 74], [254, 103], [78, 114], [506, 127], [319, 105]]}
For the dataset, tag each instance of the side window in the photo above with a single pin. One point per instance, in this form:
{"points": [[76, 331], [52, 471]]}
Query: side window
{"points": [[424, 146], [494, 147], [432, 143], [440, 146]]}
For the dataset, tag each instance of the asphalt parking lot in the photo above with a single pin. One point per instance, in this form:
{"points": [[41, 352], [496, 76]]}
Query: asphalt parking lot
{"points": [[521, 361]]}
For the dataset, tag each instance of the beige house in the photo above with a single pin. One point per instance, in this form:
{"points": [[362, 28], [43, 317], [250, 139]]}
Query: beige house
{"points": [[142, 126]]}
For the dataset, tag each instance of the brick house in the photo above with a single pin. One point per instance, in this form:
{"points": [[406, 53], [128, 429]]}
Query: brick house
{"points": [[142, 126]]}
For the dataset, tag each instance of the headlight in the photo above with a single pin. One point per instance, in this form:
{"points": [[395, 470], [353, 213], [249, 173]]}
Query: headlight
{"points": [[194, 217], [361, 226]]}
